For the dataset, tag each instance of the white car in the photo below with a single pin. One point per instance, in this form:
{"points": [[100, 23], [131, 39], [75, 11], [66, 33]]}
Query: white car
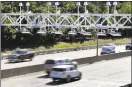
{"points": [[50, 63], [65, 72]]}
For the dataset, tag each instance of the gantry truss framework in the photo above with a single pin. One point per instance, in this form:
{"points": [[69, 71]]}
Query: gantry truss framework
{"points": [[66, 20]]}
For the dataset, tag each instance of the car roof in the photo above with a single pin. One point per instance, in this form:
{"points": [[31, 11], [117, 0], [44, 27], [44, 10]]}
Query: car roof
{"points": [[60, 59], [63, 66], [107, 47], [110, 44], [22, 49]]}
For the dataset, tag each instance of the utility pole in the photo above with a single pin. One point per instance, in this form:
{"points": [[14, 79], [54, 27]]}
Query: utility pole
{"points": [[97, 42], [0, 24]]}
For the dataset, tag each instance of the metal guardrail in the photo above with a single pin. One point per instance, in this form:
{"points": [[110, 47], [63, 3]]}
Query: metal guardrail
{"points": [[52, 51], [71, 49]]}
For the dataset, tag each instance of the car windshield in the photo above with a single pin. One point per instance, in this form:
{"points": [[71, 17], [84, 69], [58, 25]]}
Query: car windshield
{"points": [[59, 69], [68, 61], [63, 61], [60, 61], [50, 62], [19, 52], [106, 49], [107, 45]]}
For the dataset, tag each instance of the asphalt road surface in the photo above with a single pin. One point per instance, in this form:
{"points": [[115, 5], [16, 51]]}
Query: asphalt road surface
{"points": [[40, 59], [111, 73]]}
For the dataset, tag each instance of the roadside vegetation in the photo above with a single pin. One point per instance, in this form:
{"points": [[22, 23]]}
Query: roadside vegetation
{"points": [[76, 44], [12, 39]]}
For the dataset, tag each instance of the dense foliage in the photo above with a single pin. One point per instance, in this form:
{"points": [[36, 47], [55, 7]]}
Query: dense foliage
{"points": [[40, 6]]}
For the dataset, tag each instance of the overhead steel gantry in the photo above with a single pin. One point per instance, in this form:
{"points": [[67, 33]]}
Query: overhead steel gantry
{"points": [[56, 21], [67, 20]]}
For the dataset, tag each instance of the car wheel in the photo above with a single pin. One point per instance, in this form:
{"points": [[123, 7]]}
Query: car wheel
{"points": [[9, 61], [68, 79], [80, 76], [20, 59], [54, 79], [31, 59], [113, 52], [48, 72]]}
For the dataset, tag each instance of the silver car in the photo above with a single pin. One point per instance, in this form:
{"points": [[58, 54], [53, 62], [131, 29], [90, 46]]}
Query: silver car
{"points": [[50, 63]]}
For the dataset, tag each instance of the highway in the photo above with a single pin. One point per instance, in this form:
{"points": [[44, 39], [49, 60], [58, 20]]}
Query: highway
{"points": [[111, 73], [41, 58]]}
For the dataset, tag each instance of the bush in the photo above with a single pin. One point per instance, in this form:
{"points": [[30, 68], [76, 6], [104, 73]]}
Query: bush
{"points": [[74, 44]]}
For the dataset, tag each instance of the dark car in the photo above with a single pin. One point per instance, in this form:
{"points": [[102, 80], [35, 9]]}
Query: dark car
{"points": [[129, 46], [20, 55], [107, 50]]}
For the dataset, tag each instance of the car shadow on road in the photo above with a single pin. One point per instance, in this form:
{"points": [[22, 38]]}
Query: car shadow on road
{"points": [[13, 62], [44, 76], [16, 62], [54, 83]]}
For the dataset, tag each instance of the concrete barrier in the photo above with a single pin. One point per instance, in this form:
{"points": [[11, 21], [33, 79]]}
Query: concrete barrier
{"points": [[21, 71], [35, 68], [90, 60]]}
